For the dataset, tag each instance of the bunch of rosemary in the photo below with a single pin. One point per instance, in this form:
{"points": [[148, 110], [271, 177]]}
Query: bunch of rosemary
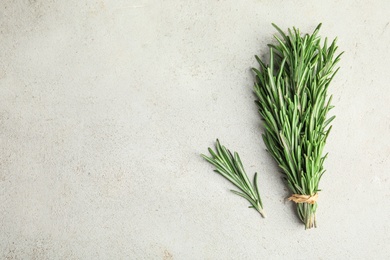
{"points": [[293, 102]]}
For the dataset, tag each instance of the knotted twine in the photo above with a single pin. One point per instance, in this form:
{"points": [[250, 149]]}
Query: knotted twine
{"points": [[300, 198]]}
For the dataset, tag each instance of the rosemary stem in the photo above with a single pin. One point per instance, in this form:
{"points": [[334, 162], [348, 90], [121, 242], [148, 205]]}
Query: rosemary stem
{"points": [[307, 214]]}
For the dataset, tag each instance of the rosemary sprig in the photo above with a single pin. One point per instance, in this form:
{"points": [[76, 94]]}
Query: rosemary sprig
{"points": [[230, 166], [293, 102]]}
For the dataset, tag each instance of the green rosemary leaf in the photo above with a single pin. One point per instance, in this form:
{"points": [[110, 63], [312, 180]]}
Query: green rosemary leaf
{"points": [[240, 170], [230, 167], [327, 122], [257, 189], [292, 99], [254, 203]]}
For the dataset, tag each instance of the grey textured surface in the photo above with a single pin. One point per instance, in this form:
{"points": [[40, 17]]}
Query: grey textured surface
{"points": [[106, 105]]}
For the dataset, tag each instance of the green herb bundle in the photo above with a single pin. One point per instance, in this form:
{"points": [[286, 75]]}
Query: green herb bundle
{"points": [[230, 167], [293, 102]]}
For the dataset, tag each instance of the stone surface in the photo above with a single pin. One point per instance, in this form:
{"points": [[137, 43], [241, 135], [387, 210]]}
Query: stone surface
{"points": [[106, 105]]}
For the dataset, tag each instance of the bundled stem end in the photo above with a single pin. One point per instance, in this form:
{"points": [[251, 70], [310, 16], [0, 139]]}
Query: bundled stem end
{"points": [[307, 213], [306, 206]]}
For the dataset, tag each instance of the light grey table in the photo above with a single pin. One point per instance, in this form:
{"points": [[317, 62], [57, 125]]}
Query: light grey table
{"points": [[106, 105]]}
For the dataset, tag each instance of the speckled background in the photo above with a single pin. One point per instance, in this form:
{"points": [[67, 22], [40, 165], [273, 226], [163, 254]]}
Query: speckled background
{"points": [[106, 105]]}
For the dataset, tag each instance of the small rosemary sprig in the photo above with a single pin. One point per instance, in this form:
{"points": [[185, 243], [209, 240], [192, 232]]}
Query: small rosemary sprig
{"points": [[293, 102], [230, 167]]}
